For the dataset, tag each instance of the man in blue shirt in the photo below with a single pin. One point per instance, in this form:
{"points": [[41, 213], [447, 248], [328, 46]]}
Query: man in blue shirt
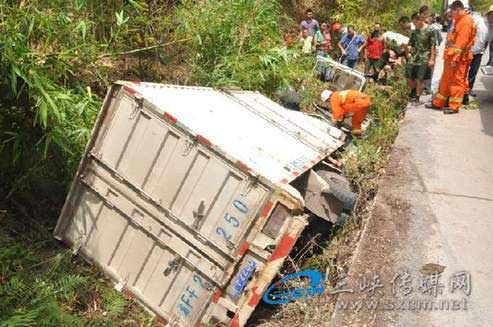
{"points": [[351, 45]]}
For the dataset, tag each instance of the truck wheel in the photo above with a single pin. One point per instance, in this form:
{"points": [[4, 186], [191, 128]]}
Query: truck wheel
{"points": [[340, 188], [347, 198]]}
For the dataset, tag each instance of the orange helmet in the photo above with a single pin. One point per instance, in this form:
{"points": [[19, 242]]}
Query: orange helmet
{"points": [[336, 27]]}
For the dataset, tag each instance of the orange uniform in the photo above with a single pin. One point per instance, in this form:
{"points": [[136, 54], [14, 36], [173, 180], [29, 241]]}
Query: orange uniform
{"points": [[457, 58], [345, 102]]}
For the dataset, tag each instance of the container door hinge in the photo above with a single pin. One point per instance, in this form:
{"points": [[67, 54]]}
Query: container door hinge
{"points": [[249, 185], [173, 266], [199, 215], [188, 147]]}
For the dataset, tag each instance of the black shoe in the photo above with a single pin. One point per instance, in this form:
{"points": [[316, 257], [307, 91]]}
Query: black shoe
{"points": [[472, 94], [449, 111], [412, 94], [465, 100], [432, 106]]}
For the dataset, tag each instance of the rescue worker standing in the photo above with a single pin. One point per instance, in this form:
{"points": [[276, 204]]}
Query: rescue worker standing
{"points": [[457, 59], [348, 102]]}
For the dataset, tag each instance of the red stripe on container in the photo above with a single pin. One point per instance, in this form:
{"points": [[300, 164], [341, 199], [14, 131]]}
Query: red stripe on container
{"points": [[216, 296], [161, 320], [127, 294], [242, 166], [255, 298], [283, 248], [235, 322], [130, 90], [284, 181], [202, 140], [136, 81], [266, 210], [305, 167], [170, 118], [243, 248], [295, 173]]}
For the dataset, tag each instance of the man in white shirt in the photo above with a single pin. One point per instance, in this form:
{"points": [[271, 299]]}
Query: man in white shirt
{"points": [[489, 20], [477, 50]]}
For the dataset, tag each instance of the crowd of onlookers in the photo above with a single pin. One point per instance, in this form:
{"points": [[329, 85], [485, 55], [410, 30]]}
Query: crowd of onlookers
{"points": [[415, 44], [346, 45]]}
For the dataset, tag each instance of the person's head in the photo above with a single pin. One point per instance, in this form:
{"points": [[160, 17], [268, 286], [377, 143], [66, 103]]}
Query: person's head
{"points": [[377, 27], [309, 14], [375, 34], [305, 32], [405, 23], [489, 14], [438, 19], [351, 31], [424, 11], [336, 27], [457, 8], [325, 96], [324, 26], [418, 20]]}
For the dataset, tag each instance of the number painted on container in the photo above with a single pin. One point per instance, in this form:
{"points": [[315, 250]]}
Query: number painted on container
{"points": [[232, 220], [240, 206], [188, 299], [222, 232]]}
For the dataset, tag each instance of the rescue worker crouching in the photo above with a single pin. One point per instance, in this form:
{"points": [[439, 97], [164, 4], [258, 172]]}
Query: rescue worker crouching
{"points": [[348, 102]]}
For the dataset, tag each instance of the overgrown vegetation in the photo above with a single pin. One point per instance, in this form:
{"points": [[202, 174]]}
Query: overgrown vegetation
{"points": [[57, 59]]}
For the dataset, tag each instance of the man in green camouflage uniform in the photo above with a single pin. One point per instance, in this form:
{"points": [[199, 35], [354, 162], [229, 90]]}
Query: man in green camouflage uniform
{"points": [[421, 53]]}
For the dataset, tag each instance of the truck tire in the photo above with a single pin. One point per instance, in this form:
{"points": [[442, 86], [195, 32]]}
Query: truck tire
{"points": [[347, 198], [340, 188]]}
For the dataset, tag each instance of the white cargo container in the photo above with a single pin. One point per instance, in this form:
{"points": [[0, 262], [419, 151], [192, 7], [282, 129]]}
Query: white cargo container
{"points": [[183, 197]]}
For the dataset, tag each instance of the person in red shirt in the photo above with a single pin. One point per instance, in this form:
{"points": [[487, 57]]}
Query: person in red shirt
{"points": [[374, 51]]}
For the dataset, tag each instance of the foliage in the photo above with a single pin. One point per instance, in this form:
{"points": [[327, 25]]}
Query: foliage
{"points": [[56, 61], [480, 5], [236, 43], [363, 13]]}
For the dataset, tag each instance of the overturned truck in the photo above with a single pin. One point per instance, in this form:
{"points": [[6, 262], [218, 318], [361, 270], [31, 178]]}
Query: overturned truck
{"points": [[191, 198]]}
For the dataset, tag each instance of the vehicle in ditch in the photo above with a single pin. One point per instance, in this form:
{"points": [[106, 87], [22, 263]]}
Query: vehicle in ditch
{"points": [[191, 198]]}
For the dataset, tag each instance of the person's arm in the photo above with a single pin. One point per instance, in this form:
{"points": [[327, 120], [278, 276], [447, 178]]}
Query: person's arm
{"points": [[363, 44], [433, 40], [340, 44], [337, 111], [328, 41], [409, 47], [431, 62]]}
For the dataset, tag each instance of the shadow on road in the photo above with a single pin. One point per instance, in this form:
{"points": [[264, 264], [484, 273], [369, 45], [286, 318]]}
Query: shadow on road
{"points": [[485, 97]]}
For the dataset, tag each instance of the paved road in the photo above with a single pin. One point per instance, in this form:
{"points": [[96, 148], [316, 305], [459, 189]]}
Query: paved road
{"points": [[435, 206]]}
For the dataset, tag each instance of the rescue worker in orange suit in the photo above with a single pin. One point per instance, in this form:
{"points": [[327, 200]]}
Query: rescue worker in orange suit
{"points": [[457, 59], [344, 103]]}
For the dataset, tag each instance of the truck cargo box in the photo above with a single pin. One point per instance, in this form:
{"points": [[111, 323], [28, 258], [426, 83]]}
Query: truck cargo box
{"points": [[183, 197]]}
